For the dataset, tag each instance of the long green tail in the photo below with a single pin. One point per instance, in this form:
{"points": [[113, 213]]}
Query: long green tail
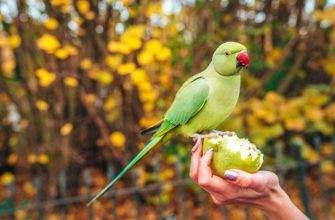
{"points": [[154, 142]]}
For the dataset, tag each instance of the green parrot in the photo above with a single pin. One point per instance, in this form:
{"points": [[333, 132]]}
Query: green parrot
{"points": [[202, 103]]}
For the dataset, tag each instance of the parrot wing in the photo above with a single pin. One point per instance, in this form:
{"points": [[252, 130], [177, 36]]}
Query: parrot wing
{"points": [[188, 102]]}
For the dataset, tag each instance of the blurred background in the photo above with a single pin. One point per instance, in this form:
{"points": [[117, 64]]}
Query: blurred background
{"points": [[79, 79]]}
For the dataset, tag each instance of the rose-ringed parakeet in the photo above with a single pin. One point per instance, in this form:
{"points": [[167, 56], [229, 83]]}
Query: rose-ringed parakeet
{"points": [[202, 103]]}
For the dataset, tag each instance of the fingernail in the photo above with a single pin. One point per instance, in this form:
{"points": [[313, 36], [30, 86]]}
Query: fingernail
{"points": [[230, 175], [208, 151], [195, 140], [195, 147]]}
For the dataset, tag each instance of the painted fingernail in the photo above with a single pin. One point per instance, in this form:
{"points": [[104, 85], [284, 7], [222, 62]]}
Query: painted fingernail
{"points": [[230, 175], [208, 151], [195, 140], [195, 147]]}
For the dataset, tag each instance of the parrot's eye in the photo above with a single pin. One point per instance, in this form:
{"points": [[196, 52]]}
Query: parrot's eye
{"points": [[227, 53]]}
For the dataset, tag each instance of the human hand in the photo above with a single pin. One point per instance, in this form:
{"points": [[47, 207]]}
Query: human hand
{"points": [[261, 189]]}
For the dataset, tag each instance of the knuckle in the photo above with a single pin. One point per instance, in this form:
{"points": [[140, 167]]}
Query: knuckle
{"points": [[203, 182], [244, 182], [193, 176], [203, 161]]}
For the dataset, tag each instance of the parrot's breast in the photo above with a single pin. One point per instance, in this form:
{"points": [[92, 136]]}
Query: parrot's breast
{"points": [[221, 101]]}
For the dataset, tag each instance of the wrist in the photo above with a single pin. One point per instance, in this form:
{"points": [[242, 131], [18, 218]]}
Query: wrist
{"points": [[278, 206]]}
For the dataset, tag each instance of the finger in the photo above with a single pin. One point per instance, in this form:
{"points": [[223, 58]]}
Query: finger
{"points": [[260, 181], [196, 154], [206, 179]]}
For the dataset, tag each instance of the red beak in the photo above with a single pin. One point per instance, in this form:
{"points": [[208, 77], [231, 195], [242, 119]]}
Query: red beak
{"points": [[242, 59]]}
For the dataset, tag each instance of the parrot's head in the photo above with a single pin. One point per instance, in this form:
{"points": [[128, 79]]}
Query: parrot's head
{"points": [[229, 58]]}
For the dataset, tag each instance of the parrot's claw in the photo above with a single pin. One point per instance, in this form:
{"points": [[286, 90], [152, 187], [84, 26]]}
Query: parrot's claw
{"points": [[229, 133], [213, 133], [198, 136]]}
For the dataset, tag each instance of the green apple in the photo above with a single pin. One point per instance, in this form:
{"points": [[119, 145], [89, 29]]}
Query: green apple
{"points": [[232, 152]]}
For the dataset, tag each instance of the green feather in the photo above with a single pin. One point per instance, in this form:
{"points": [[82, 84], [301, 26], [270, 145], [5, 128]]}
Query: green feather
{"points": [[154, 142], [189, 100]]}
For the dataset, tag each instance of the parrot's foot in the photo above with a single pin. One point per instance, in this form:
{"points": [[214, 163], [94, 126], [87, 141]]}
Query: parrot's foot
{"points": [[199, 136], [229, 133], [213, 133]]}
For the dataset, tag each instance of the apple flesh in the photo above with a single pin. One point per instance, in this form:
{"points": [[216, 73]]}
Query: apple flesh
{"points": [[232, 152]]}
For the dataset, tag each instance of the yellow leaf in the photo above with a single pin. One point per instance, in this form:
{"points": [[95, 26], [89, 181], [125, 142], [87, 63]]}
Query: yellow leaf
{"points": [[148, 106], [166, 174], [83, 6], [45, 77], [273, 97], [156, 33], [153, 8], [313, 113], [109, 104], [165, 79], [60, 2], [154, 46], [12, 159], [118, 47], [309, 153], [138, 76], [126, 68], [118, 139], [71, 50], [66, 8], [90, 15], [148, 121], [29, 189], [48, 42], [113, 61], [4, 98], [105, 77], [330, 111], [66, 129], [51, 24], [147, 96], [20, 214], [14, 41], [327, 166], [61, 54], [31, 158], [329, 65], [94, 73], [273, 56], [86, 63], [125, 2], [145, 57], [7, 178], [42, 105], [164, 54], [132, 42], [135, 30], [13, 141], [43, 158], [90, 98], [8, 67], [71, 81], [295, 124], [78, 20], [100, 142], [145, 87]]}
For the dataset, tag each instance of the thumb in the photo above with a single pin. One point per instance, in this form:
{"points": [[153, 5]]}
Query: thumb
{"points": [[257, 181]]}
